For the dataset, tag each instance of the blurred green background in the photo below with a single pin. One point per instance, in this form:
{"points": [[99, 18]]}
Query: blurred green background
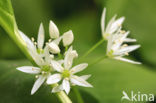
{"points": [[109, 77]]}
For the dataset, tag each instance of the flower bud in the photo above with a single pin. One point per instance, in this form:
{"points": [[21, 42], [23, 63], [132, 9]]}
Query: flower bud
{"points": [[53, 30], [53, 48], [68, 38]]}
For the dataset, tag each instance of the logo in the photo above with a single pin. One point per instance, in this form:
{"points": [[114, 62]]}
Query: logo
{"points": [[137, 96]]}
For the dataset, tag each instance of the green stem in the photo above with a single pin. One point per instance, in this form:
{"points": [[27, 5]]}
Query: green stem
{"points": [[98, 60], [63, 98], [95, 46], [78, 95], [12, 29]]}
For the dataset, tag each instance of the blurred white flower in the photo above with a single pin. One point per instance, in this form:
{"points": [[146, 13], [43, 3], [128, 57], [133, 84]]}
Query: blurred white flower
{"points": [[68, 38], [53, 30], [67, 73], [53, 47], [112, 26], [116, 47]]}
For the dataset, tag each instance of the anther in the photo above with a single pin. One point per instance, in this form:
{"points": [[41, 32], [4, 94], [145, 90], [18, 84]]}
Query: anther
{"points": [[32, 39], [36, 76], [49, 40], [35, 43], [126, 54]]}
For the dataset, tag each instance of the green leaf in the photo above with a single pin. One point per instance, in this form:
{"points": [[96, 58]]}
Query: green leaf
{"points": [[15, 86], [111, 77], [8, 23]]}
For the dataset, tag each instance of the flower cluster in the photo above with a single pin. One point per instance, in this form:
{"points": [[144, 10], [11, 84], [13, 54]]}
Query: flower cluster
{"points": [[50, 67], [54, 64], [117, 39]]}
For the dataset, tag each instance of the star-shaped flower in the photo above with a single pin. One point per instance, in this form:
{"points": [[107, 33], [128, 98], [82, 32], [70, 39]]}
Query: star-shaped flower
{"points": [[112, 26], [116, 47], [67, 73], [41, 56]]}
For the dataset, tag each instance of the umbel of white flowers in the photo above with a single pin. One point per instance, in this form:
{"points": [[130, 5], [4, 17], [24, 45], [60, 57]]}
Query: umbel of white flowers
{"points": [[43, 56], [67, 73], [117, 39]]}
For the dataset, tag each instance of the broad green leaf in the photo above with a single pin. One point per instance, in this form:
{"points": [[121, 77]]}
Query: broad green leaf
{"points": [[8, 23], [15, 86], [111, 77]]}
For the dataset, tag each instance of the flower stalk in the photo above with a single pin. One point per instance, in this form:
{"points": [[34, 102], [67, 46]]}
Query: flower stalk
{"points": [[78, 95], [93, 47]]}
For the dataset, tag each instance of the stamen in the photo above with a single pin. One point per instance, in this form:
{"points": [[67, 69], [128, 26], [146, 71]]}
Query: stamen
{"points": [[35, 43], [36, 76], [50, 40], [51, 56], [125, 45], [43, 72], [33, 69], [32, 39], [126, 54], [119, 25], [47, 43], [122, 31]]}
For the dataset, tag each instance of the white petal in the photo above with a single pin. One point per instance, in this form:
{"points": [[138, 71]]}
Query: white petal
{"points": [[57, 89], [69, 50], [57, 66], [127, 49], [127, 60], [108, 28], [61, 61], [68, 38], [28, 42], [120, 39], [57, 41], [47, 55], [54, 48], [116, 24], [53, 79], [85, 77], [29, 69], [36, 57], [103, 21], [129, 40], [53, 30], [66, 86], [37, 84], [79, 68], [109, 43], [68, 61], [79, 81], [40, 39]]}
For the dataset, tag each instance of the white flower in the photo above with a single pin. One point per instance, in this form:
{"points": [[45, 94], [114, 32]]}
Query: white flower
{"points": [[41, 74], [54, 48], [112, 26], [116, 47], [53, 30], [68, 38], [41, 56], [67, 73]]}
